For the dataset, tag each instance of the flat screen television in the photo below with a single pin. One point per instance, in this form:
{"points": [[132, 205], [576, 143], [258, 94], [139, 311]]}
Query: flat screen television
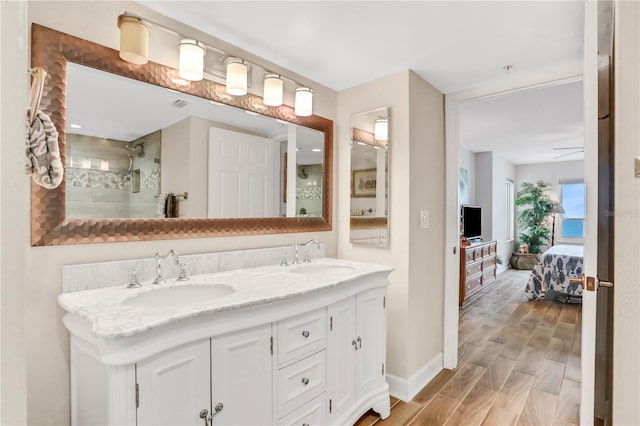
{"points": [[471, 217]]}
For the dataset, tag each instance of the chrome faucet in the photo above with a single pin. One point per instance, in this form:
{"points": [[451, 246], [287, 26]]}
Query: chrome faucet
{"points": [[296, 258], [182, 276]]}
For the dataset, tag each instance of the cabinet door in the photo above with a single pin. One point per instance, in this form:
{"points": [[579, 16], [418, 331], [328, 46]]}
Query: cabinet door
{"points": [[174, 386], [341, 357], [241, 377], [370, 325]]}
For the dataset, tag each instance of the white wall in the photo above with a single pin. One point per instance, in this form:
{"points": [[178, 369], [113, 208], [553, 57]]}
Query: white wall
{"points": [[484, 191], [47, 341], [426, 257], [626, 337], [502, 170], [492, 172], [467, 160], [14, 213], [416, 179]]}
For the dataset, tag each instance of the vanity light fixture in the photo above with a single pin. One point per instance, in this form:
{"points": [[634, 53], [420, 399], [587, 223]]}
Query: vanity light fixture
{"points": [[134, 48], [134, 39], [304, 102], [381, 129], [273, 90], [237, 72], [191, 59]]}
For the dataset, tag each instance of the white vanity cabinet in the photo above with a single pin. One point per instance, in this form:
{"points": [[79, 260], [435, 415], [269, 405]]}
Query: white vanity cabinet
{"points": [[311, 352], [232, 370], [356, 352]]}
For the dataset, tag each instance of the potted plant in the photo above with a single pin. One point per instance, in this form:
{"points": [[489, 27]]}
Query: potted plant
{"points": [[534, 210]]}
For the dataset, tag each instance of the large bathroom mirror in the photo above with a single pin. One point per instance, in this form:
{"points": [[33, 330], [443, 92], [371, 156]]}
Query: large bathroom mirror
{"points": [[150, 156], [369, 224]]}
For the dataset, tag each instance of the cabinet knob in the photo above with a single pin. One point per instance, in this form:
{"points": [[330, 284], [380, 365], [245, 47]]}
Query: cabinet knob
{"points": [[305, 381], [305, 333]]}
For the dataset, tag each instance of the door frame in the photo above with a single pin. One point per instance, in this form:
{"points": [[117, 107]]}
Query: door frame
{"points": [[586, 72]]}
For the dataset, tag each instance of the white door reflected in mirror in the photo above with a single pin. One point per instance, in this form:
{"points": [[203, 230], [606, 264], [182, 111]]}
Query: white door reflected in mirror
{"points": [[369, 221]]}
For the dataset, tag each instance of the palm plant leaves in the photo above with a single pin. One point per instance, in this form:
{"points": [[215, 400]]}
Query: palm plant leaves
{"points": [[535, 207]]}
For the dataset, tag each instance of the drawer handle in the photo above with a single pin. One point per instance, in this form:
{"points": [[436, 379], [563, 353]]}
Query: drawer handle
{"points": [[359, 342], [355, 344], [305, 333], [305, 381]]}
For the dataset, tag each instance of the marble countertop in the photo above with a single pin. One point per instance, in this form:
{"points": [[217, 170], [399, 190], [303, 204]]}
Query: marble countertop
{"points": [[111, 318]]}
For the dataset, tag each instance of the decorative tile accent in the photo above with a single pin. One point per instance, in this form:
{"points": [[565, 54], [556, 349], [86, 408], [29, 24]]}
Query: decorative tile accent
{"points": [[150, 178], [97, 179], [91, 276], [309, 193]]}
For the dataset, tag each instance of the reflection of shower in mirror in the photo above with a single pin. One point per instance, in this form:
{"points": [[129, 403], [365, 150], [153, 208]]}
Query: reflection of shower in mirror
{"points": [[138, 148]]}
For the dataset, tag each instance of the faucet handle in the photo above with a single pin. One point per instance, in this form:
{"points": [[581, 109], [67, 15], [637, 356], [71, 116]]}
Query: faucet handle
{"points": [[182, 275], [307, 259], [284, 261], [134, 282]]}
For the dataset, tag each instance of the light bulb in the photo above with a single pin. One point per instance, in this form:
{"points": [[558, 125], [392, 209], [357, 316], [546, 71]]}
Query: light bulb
{"points": [[273, 90], [191, 59], [304, 102], [237, 72]]}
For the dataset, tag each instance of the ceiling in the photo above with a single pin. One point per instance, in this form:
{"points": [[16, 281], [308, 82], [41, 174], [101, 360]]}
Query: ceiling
{"points": [[529, 127], [454, 45]]}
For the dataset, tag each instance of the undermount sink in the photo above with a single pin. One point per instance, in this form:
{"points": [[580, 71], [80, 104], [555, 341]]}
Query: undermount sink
{"points": [[321, 269], [182, 295]]}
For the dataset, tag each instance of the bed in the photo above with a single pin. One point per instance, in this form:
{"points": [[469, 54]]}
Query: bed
{"points": [[554, 269]]}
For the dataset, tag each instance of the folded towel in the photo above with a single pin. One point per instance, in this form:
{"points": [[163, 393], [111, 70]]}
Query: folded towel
{"points": [[43, 153]]}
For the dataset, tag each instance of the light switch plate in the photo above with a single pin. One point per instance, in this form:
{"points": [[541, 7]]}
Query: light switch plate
{"points": [[424, 219]]}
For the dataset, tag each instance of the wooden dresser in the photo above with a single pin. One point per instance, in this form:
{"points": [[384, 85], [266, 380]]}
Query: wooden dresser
{"points": [[477, 269]]}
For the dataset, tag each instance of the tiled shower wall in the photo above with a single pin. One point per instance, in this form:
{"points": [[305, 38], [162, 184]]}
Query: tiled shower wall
{"points": [[98, 180]]}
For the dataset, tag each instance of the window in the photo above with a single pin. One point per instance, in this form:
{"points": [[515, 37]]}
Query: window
{"points": [[509, 211], [572, 200]]}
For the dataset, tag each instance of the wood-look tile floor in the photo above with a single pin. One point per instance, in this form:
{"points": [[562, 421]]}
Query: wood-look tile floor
{"points": [[519, 364]]}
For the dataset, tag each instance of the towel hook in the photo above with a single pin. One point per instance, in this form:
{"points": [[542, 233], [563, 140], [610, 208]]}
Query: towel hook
{"points": [[37, 88]]}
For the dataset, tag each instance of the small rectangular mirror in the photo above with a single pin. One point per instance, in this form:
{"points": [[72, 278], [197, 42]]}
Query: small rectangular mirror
{"points": [[369, 224]]}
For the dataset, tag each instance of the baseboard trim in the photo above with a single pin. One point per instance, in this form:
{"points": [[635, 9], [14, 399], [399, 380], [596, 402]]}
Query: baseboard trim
{"points": [[406, 389]]}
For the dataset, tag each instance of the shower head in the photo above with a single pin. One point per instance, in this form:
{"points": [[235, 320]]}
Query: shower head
{"points": [[138, 148]]}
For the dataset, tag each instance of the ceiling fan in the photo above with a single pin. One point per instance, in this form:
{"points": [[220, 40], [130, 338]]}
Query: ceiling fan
{"points": [[568, 151]]}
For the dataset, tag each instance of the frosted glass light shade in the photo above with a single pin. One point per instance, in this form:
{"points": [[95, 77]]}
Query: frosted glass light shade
{"points": [[304, 101], [237, 72], [134, 39], [191, 59], [381, 129], [273, 90]]}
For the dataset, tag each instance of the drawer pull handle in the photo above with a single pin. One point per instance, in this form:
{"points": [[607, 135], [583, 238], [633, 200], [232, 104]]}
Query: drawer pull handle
{"points": [[359, 342], [305, 333], [355, 344], [305, 381]]}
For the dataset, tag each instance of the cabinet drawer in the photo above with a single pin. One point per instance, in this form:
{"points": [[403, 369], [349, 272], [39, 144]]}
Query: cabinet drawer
{"points": [[473, 268], [489, 275], [469, 256], [477, 253], [311, 414], [488, 262], [492, 248], [472, 283], [485, 250], [301, 382], [302, 335]]}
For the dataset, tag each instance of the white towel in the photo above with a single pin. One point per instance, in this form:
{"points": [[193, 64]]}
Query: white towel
{"points": [[43, 153]]}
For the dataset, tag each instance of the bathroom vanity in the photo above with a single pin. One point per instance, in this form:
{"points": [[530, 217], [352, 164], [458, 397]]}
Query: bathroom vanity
{"points": [[300, 344]]}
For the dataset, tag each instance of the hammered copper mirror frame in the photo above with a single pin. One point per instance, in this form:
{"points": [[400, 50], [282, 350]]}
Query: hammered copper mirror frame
{"points": [[52, 50]]}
